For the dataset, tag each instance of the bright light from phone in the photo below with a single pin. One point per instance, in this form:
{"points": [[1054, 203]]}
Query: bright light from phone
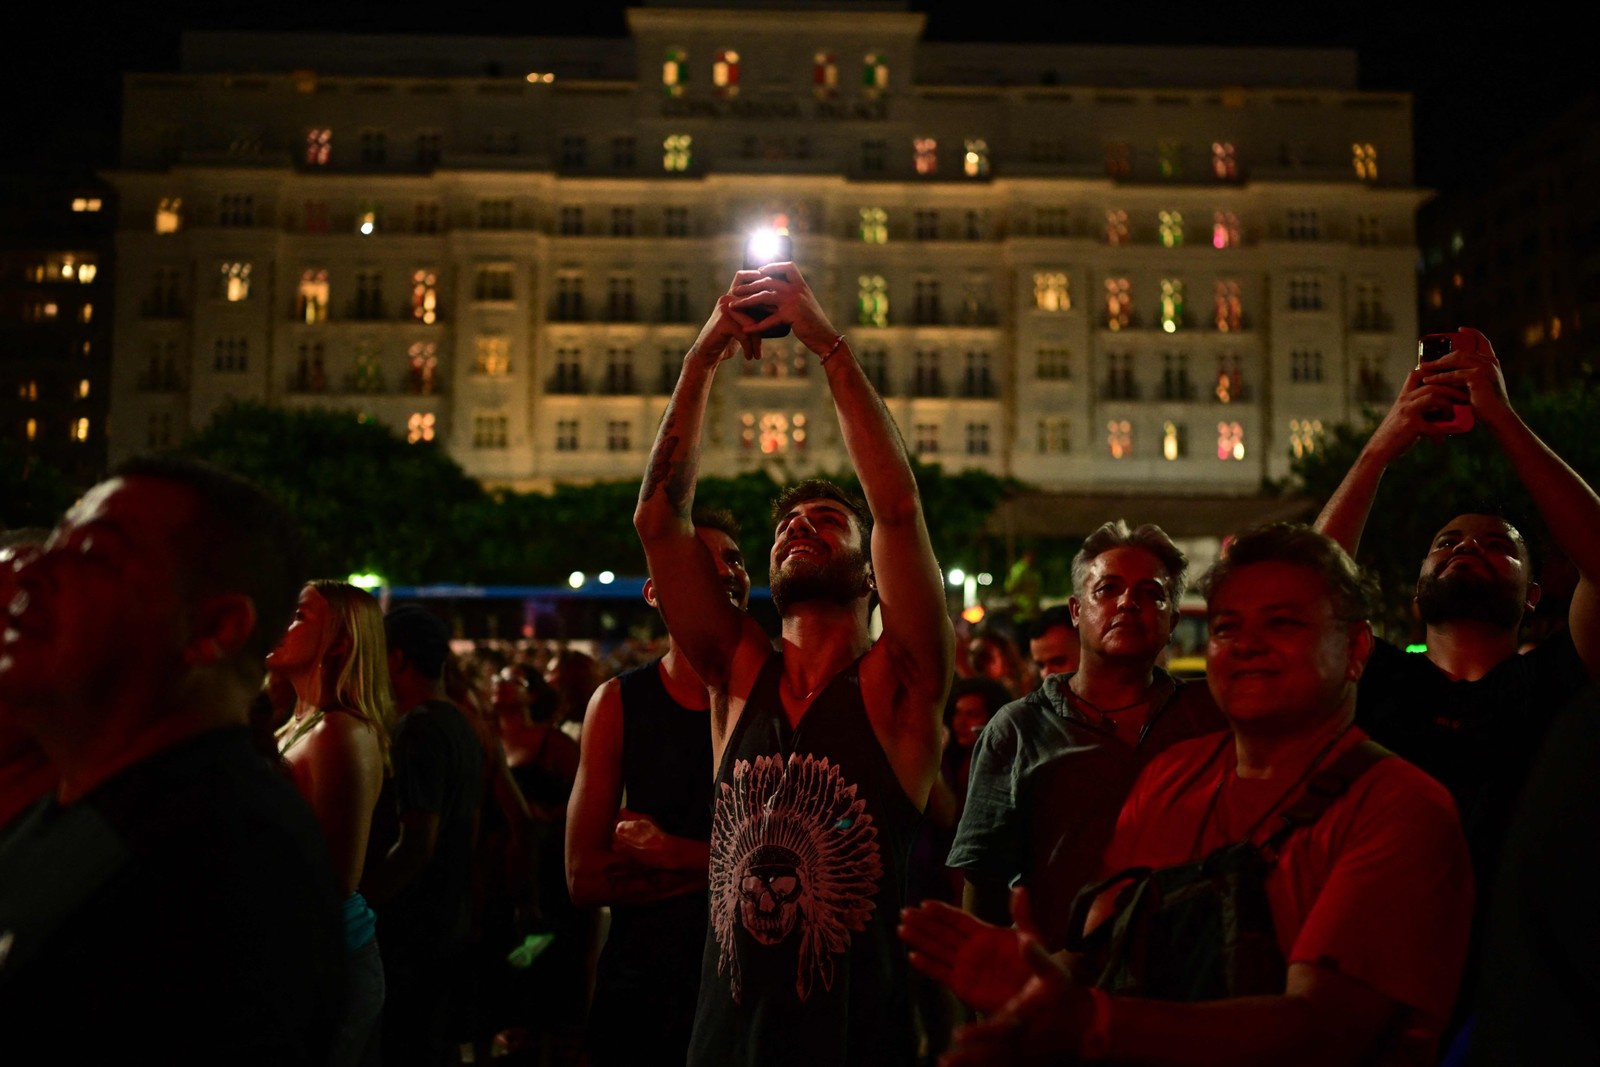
{"points": [[763, 246]]}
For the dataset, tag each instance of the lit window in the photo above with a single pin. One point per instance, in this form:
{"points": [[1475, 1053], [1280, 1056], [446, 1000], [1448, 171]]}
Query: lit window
{"points": [[235, 282], [1364, 157], [86, 203], [1171, 227], [674, 71], [774, 433], [1224, 230], [676, 152], [86, 313], [874, 225], [872, 300], [1116, 227], [1224, 161], [28, 390], [925, 151], [492, 356], [1119, 438], [169, 215], [419, 427], [367, 221], [725, 72], [422, 368], [1230, 308], [1304, 437], [1230, 441], [425, 296], [824, 75], [1171, 304], [1230, 382], [42, 310], [1119, 304], [975, 161], [874, 73], [1173, 445], [319, 147], [83, 388], [1051, 291], [313, 297]]}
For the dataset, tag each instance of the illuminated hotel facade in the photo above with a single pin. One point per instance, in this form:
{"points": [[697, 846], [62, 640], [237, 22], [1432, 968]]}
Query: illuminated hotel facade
{"points": [[1096, 269]]}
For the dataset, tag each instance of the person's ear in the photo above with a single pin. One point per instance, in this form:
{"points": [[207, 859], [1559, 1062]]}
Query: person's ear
{"points": [[1360, 650], [650, 592], [1534, 593], [1072, 609], [220, 626]]}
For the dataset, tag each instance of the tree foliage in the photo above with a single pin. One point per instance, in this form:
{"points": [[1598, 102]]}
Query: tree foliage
{"points": [[1436, 481]]}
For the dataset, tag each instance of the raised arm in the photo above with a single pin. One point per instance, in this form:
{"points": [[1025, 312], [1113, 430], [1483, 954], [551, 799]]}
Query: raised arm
{"points": [[1344, 517], [917, 634], [596, 872], [1568, 504], [705, 626]]}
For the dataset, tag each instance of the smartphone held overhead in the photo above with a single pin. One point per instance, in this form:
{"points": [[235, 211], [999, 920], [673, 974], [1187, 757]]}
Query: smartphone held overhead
{"points": [[762, 248], [1451, 418]]}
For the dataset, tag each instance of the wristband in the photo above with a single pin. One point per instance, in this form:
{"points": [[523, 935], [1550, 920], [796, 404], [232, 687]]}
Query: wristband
{"points": [[1095, 1044], [837, 341]]}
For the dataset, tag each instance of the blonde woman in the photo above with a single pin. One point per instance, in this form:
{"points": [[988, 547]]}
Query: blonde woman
{"points": [[336, 747]]}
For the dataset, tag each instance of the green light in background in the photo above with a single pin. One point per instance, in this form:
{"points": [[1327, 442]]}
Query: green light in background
{"points": [[366, 581], [1416, 648]]}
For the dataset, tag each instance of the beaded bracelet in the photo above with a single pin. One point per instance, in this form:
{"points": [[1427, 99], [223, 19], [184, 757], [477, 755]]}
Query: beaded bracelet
{"points": [[837, 341]]}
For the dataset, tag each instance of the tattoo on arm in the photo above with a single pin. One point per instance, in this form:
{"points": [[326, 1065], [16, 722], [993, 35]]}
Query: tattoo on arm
{"points": [[660, 466]]}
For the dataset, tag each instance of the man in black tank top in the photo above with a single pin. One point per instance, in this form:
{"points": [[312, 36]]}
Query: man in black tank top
{"points": [[824, 748], [646, 743]]}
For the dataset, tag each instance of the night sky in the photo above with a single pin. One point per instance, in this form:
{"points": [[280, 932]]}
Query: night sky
{"points": [[1477, 82]]}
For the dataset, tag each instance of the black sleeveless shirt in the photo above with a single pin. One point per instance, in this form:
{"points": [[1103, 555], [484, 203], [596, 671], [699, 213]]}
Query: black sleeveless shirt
{"points": [[649, 969], [808, 864]]}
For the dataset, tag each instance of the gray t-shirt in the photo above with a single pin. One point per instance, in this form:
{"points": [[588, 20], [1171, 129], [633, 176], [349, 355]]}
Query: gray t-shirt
{"points": [[1047, 783]]}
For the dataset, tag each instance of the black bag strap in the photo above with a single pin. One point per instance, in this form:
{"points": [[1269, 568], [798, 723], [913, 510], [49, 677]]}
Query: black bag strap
{"points": [[1322, 789], [1078, 914]]}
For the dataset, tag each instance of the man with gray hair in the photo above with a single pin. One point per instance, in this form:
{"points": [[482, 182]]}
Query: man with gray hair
{"points": [[1051, 770]]}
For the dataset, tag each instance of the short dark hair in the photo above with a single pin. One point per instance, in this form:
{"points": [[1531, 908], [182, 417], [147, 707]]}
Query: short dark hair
{"points": [[240, 540], [1354, 591], [722, 519], [1049, 619], [822, 489], [1506, 514], [995, 696], [420, 636], [1150, 537]]}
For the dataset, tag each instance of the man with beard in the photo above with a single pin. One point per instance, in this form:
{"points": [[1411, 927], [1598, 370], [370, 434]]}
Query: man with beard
{"points": [[824, 748], [1471, 711]]}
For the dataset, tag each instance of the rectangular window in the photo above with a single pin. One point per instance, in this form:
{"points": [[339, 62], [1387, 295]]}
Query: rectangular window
{"points": [[1169, 159], [1305, 366], [1305, 437], [1230, 307], [1224, 161], [675, 298], [1304, 225], [1230, 441], [422, 369], [569, 297], [426, 218], [574, 152], [874, 225], [493, 283], [1051, 291], [975, 158], [317, 216], [236, 209], [374, 147], [1172, 309], [429, 150], [925, 381], [571, 220], [319, 147], [1053, 363], [1305, 293], [622, 224], [977, 438], [568, 378], [925, 225], [169, 214], [977, 382], [1224, 230], [489, 431], [1055, 435], [875, 365], [925, 309], [235, 282], [1117, 228], [675, 221], [1364, 157], [424, 297], [619, 372], [624, 152], [619, 435], [1175, 384], [369, 295], [420, 427], [1119, 383], [566, 435], [1119, 304], [491, 356], [1370, 314], [1119, 438], [874, 156], [231, 355], [1169, 226], [927, 439], [619, 298], [872, 300], [1052, 222], [312, 299], [1119, 159], [925, 155], [677, 153], [494, 214]]}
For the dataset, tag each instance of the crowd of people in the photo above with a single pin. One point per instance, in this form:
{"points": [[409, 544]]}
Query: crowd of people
{"points": [[247, 817]]}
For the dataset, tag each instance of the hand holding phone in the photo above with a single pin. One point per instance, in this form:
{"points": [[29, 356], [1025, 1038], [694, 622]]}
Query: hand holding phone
{"points": [[1456, 418], [763, 247]]}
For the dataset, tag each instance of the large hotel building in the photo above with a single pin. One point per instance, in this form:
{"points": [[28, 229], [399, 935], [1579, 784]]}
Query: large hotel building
{"points": [[1100, 270]]}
